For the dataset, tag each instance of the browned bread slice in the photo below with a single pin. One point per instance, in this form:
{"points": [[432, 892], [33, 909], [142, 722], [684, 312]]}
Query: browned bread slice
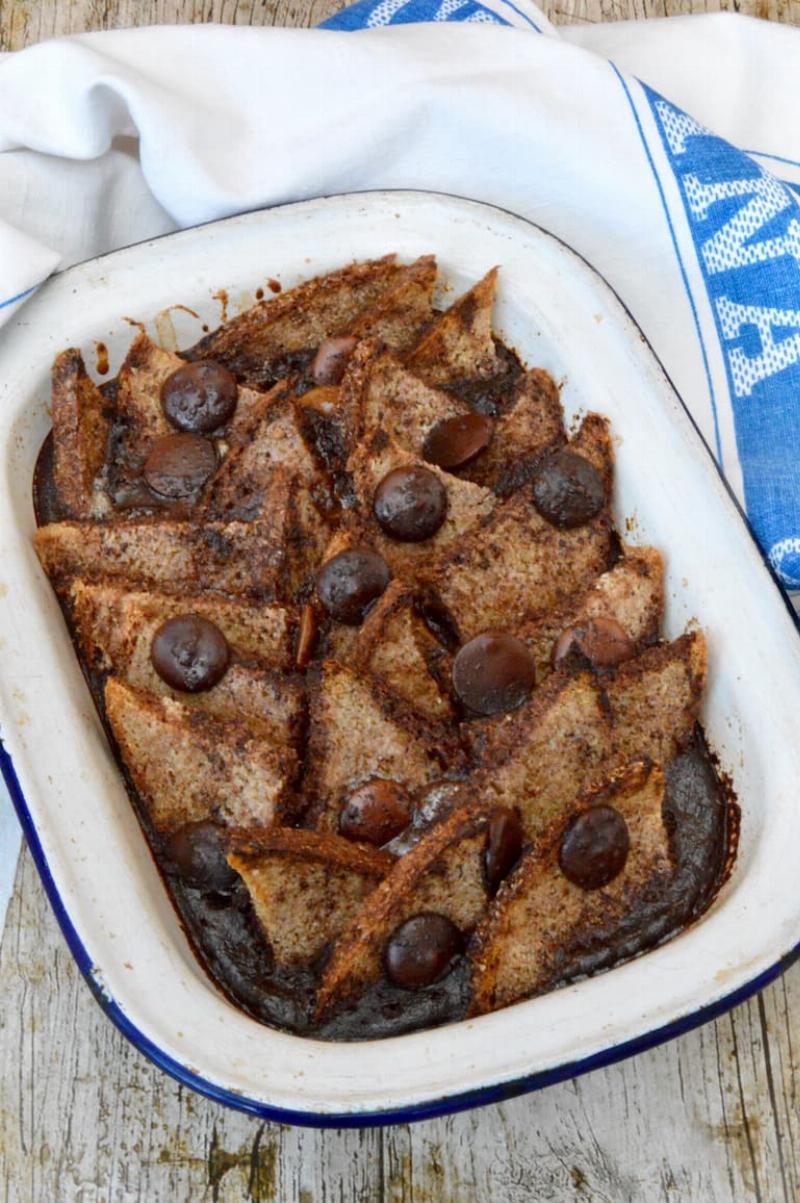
{"points": [[188, 765], [541, 928], [108, 617], [395, 645], [467, 503], [379, 392], [459, 345], [234, 557], [122, 638], [655, 698], [261, 344], [266, 558], [273, 438], [443, 873], [358, 731], [540, 757], [532, 425], [632, 593], [138, 399], [593, 441], [515, 567], [81, 428], [306, 886], [400, 316]]}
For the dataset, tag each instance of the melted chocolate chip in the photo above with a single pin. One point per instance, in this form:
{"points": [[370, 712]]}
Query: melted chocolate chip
{"points": [[331, 360], [178, 465], [190, 653], [594, 848], [601, 641], [421, 950], [410, 504], [376, 812], [493, 673], [503, 845], [349, 583], [197, 853], [199, 397], [567, 489], [455, 442]]}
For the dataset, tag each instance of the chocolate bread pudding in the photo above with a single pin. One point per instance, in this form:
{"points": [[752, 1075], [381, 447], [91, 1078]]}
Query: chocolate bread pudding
{"points": [[387, 688]]}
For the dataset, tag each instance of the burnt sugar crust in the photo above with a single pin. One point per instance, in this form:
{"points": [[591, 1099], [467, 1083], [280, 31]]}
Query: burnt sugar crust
{"points": [[345, 577]]}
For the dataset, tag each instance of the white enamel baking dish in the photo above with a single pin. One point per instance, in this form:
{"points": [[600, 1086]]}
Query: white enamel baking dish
{"points": [[94, 862]]}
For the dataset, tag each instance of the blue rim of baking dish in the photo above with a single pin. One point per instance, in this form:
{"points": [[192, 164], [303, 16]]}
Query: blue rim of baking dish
{"points": [[447, 1104]]}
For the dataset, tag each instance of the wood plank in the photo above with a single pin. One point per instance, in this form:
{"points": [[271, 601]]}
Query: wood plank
{"points": [[23, 22]]}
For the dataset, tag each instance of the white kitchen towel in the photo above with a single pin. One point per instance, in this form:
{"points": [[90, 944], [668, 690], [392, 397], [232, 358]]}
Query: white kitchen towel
{"points": [[665, 152]]}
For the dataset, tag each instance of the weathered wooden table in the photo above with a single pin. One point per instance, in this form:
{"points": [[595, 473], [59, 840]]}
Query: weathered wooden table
{"points": [[84, 1118]]}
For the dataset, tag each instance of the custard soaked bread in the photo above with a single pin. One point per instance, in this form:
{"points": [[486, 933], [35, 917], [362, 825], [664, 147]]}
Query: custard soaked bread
{"points": [[81, 430], [188, 765], [306, 886], [390, 693]]}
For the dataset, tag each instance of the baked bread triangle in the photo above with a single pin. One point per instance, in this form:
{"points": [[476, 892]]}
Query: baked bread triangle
{"points": [[188, 765], [81, 430], [442, 874], [306, 886], [542, 929]]}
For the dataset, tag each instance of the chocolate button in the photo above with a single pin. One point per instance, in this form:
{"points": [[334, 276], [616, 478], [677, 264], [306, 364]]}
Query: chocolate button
{"points": [[421, 950], [410, 504], [376, 812], [594, 848], [457, 441], [196, 852], [601, 641], [178, 465], [493, 673], [189, 653], [329, 364], [350, 582], [567, 489], [503, 845], [199, 397]]}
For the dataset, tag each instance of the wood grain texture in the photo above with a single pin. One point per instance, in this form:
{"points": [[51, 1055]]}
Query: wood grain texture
{"points": [[84, 1118]]}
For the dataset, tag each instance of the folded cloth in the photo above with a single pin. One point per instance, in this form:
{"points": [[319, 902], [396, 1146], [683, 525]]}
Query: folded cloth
{"points": [[653, 148]]}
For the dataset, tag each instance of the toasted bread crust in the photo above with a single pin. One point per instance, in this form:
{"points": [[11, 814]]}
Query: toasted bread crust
{"points": [[532, 426], [540, 922], [442, 873], [188, 765], [401, 315], [396, 647], [253, 344], [306, 886], [468, 504], [459, 345], [654, 699], [108, 616], [381, 394], [268, 557], [273, 438], [81, 429], [632, 593], [358, 731]]}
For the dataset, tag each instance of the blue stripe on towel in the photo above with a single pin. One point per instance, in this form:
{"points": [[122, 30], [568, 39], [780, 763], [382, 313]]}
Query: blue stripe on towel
{"points": [[745, 225]]}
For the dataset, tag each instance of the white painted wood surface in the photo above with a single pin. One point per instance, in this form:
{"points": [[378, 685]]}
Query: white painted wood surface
{"points": [[84, 1118]]}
